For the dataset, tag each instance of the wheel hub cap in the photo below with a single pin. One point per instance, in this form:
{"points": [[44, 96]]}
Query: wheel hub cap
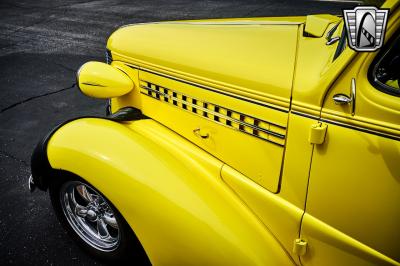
{"points": [[90, 215]]}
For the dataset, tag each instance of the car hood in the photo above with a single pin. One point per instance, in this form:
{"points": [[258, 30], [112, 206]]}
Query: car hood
{"points": [[253, 56]]}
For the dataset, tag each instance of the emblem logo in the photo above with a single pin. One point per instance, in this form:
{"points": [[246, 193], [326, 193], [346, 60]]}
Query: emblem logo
{"points": [[365, 27]]}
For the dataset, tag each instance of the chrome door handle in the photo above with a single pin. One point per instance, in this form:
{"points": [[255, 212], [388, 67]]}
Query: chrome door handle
{"points": [[342, 99], [198, 133]]}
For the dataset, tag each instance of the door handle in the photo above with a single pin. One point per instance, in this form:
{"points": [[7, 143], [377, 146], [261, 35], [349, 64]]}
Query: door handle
{"points": [[200, 134], [342, 99]]}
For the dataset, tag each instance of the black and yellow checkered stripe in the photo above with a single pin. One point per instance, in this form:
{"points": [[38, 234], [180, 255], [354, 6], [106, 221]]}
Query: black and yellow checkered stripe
{"points": [[244, 123]]}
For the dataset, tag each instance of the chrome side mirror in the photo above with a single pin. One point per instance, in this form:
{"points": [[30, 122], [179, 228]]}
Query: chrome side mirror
{"points": [[99, 80]]}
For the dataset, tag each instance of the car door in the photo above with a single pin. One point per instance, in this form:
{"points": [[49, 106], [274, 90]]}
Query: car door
{"points": [[353, 213]]}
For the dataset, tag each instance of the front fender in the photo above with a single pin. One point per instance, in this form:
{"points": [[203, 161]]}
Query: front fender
{"points": [[180, 209]]}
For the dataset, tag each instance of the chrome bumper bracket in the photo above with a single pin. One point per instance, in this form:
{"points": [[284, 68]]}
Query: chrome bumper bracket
{"points": [[31, 185]]}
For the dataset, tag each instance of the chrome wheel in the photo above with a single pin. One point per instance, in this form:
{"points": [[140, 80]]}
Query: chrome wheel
{"points": [[90, 216]]}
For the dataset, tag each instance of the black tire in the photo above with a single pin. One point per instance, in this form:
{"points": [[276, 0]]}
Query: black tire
{"points": [[128, 250]]}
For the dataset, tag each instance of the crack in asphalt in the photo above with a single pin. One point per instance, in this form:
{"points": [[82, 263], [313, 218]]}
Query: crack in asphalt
{"points": [[35, 97], [6, 154]]}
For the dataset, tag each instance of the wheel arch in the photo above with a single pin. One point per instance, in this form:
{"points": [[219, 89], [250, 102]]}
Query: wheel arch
{"points": [[180, 214]]}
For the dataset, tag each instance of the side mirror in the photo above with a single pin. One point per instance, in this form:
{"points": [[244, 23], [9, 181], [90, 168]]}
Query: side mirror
{"points": [[99, 80]]}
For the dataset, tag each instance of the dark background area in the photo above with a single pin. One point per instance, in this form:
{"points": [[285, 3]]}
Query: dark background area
{"points": [[42, 44]]}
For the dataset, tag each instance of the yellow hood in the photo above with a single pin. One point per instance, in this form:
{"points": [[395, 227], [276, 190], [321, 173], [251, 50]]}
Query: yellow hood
{"points": [[254, 55]]}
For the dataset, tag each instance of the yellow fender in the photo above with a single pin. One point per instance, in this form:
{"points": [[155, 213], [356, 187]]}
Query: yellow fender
{"points": [[181, 210]]}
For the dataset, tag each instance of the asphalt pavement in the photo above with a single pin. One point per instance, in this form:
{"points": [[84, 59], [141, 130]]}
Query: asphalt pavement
{"points": [[42, 44]]}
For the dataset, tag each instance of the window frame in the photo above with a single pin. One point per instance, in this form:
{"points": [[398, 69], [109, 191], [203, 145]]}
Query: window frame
{"points": [[375, 64], [342, 42]]}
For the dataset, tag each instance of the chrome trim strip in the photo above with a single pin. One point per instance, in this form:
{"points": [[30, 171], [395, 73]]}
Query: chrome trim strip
{"points": [[341, 124], [256, 23], [304, 115], [242, 98], [217, 114], [144, 87], [222, 124], [172, 99], [233, 23], [361, 129]]}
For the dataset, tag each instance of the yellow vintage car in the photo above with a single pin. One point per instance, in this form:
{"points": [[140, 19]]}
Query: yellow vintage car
{"points": [[264, 141]]}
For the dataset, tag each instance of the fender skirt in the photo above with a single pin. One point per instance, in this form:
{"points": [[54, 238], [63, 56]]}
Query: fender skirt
{"points": [[181, 210]]}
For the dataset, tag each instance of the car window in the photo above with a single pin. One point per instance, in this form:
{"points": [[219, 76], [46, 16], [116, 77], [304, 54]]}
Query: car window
{"points": [[384, 73]]}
